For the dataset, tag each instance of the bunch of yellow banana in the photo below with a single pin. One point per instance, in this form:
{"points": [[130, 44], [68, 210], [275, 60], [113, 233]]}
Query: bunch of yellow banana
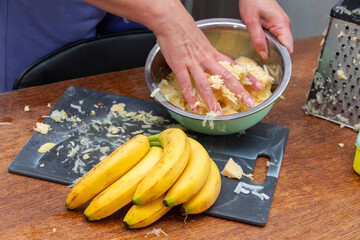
{"points": [[155, 173]]}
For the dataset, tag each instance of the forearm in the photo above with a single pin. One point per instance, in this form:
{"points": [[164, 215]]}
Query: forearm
{"points": [[160, 16]]}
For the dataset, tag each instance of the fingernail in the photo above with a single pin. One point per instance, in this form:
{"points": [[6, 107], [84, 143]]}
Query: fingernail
{"points": [[250, 102], [218, 112], [263, 54], [258, 85]]}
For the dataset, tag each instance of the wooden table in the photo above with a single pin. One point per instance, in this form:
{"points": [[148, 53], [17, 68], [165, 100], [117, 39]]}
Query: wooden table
{"points": [[317, 194]]}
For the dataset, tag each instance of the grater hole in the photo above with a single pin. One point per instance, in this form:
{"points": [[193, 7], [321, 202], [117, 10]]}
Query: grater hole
{"points": [[344, 85], [351, 114], [337, 54], [349, 38], [347, 67], [355, 32], [347, 29]]}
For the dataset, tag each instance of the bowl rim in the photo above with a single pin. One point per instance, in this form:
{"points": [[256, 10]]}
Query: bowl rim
{"points": [[233, 23]]}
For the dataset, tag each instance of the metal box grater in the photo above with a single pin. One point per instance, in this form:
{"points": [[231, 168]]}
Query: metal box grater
{"points": [[335, 90]]}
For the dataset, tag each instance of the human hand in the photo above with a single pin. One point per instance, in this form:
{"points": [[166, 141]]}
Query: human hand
{"points": [[187, 51], [259, 14]]}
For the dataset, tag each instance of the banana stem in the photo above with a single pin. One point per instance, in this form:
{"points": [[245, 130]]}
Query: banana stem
{"points": [[155, 144], [154, 137]]}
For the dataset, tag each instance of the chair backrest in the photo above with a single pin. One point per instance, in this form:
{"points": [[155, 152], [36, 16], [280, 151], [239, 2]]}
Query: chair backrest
{"points": [[93, 56]]}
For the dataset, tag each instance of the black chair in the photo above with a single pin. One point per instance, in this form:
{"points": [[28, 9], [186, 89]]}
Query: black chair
{"points": [[103, 54]]}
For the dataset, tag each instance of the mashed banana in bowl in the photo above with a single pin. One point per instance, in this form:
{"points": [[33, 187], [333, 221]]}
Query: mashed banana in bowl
{"points": [[229, 103]]}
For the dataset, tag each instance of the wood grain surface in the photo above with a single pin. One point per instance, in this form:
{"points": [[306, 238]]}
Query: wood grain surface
{"points": [[317, 194]]}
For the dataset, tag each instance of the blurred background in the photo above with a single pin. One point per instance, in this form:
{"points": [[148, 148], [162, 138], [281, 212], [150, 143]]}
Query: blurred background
{"points": [[309, 17]]}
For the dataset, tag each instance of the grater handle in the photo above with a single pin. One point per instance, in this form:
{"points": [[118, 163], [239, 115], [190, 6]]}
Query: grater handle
{"points": [[347, 10]]}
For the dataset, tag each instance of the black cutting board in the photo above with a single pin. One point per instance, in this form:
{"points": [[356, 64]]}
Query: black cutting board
{"points": [[65, 163]]}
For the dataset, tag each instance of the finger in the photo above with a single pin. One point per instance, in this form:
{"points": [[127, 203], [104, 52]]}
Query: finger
{"points": [[281, 29], [286, 39], [203, 85], [257, 37], [187, 89], [231, 83], [255, 83]]}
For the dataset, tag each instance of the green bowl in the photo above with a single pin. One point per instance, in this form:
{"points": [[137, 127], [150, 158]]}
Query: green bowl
{"points": [[230, 37]]}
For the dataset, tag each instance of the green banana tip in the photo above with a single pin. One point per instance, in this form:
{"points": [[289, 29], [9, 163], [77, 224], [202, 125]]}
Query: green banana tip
{"points": [[154, 138], [136, 202]]}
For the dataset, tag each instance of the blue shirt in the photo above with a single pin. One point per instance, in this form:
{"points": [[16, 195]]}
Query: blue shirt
{"points": [[31, 29]]}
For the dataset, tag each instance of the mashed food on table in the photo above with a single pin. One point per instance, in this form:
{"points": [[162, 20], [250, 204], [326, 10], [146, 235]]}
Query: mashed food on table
{"points": [[229, 103]]}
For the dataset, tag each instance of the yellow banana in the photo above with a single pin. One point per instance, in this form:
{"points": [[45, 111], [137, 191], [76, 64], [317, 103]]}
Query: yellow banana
{"points": [[120, 193], [144, 215], [208, 194], [172, 163], [108, 171], [193, 177]]}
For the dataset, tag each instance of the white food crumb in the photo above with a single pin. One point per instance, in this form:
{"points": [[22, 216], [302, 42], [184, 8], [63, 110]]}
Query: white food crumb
{"points": [[92, 112], [42, 128], [357, 127], [210, 116], [49, 105], [341, 145], [86, 156], [77, 107], [46, 147], [342, 118], [27, 108], [156, 90], [157, 232], [113, 130], [341, 74], [42, 165], [58, 116]]}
